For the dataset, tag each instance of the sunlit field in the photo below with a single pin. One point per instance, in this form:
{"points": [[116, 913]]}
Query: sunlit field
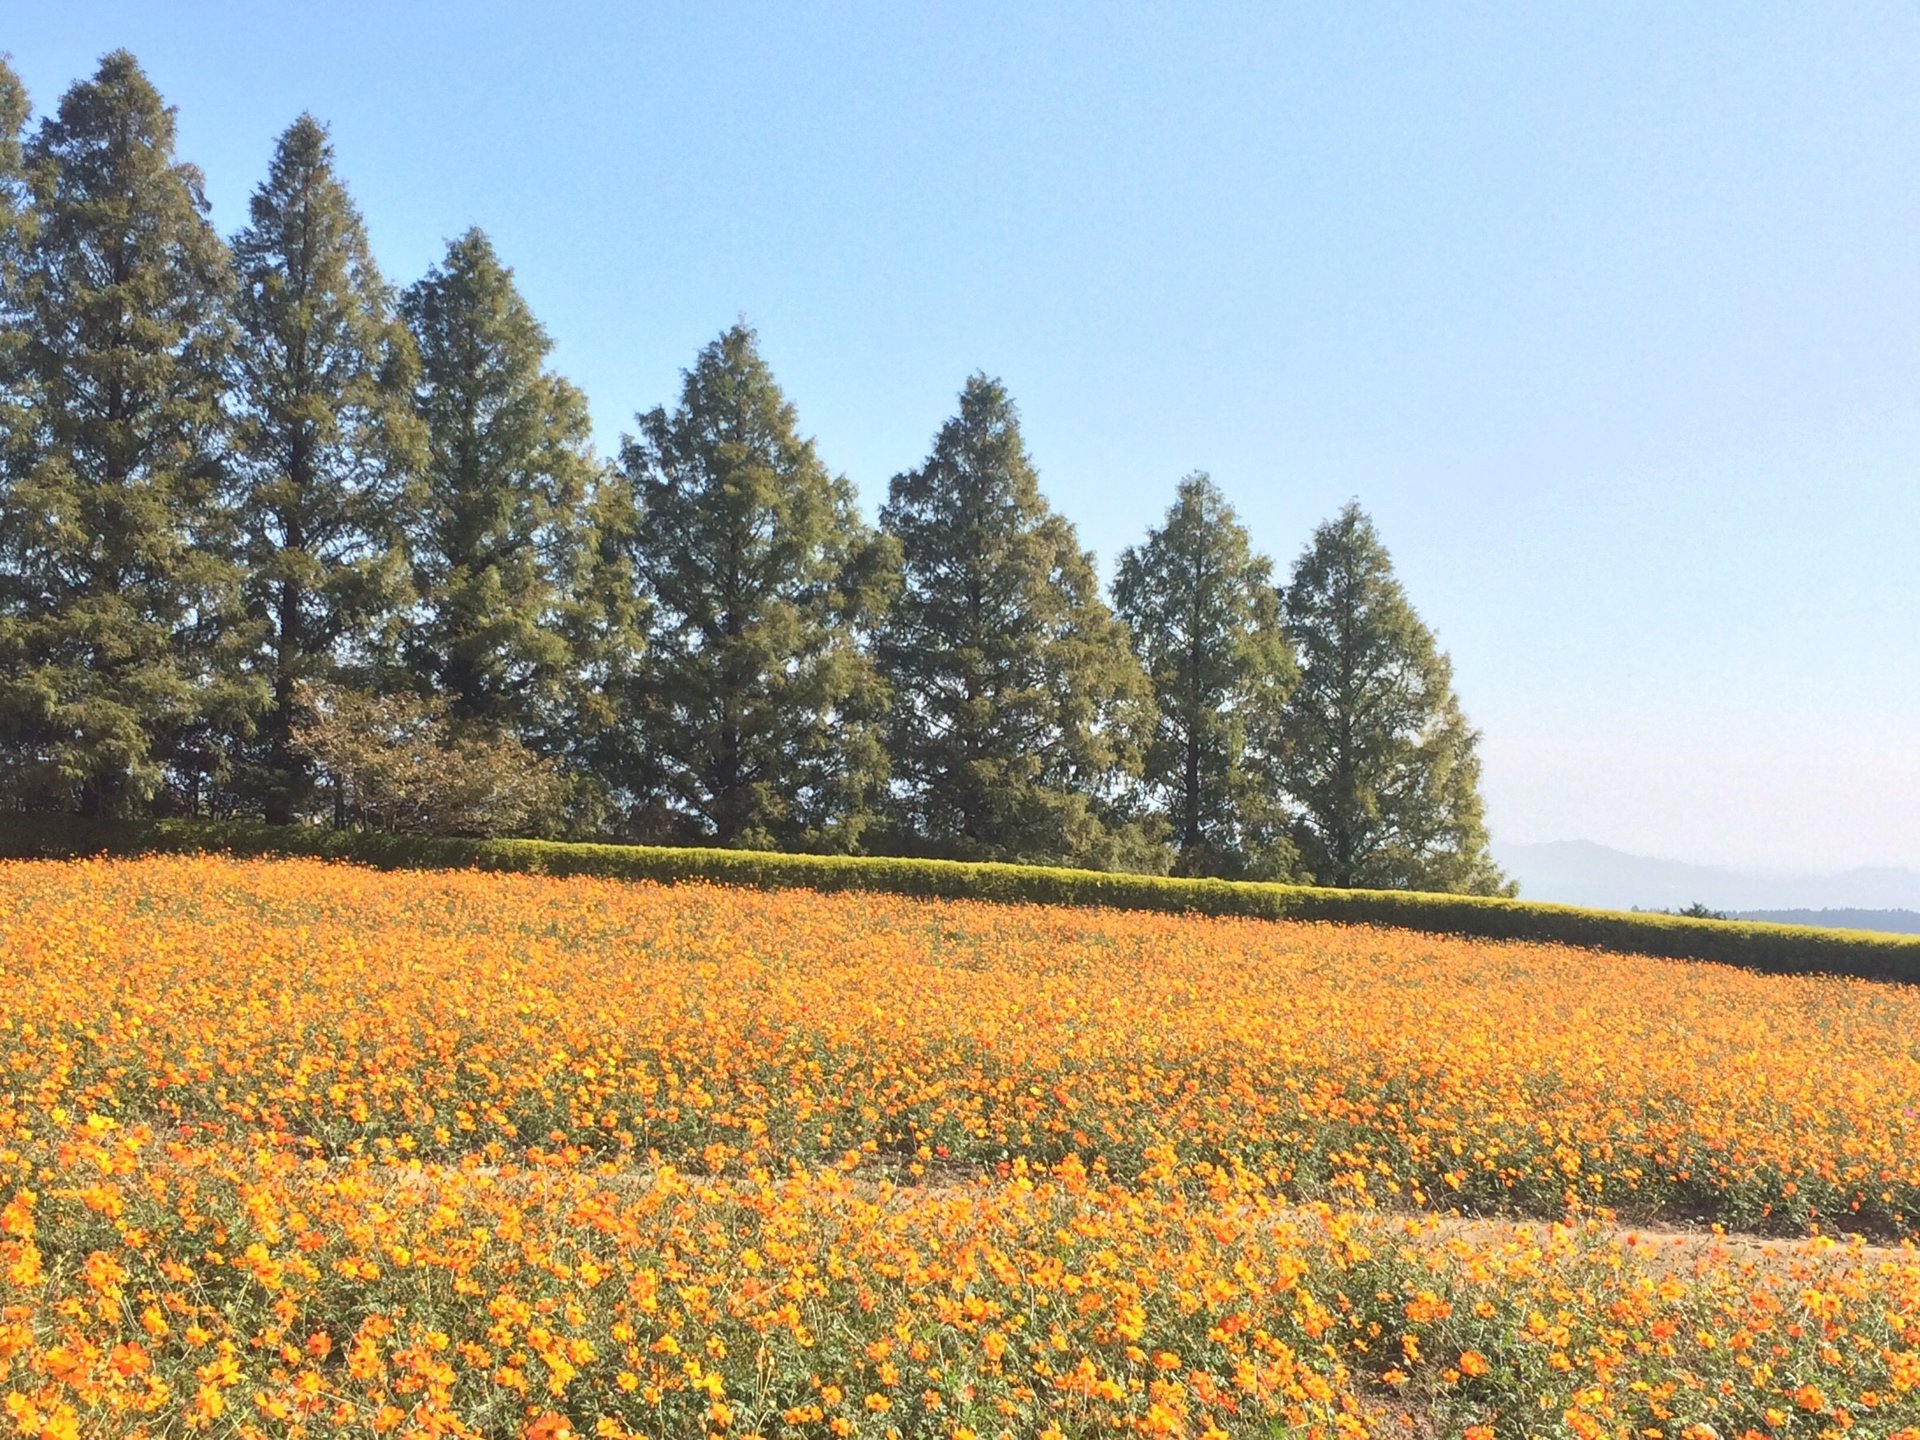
{"points": [[291, 1149]]}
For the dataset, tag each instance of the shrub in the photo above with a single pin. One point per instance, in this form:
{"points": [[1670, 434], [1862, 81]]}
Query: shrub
{"points": [[403, 765]]}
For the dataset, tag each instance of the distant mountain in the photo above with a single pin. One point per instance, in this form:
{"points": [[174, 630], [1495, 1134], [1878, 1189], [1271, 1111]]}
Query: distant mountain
{"points": [[1579, 872], [1898, 922]]}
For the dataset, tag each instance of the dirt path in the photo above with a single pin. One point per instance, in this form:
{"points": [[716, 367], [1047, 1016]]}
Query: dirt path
{"points": [[1666, 1249]]}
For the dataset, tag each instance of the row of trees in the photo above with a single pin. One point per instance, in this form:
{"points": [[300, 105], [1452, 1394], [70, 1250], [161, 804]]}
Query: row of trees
{"points": [[275, 540]]}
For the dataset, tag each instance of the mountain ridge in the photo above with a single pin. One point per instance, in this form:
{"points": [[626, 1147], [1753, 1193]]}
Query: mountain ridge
{"points": [[1583, 872], [1890, 922]]}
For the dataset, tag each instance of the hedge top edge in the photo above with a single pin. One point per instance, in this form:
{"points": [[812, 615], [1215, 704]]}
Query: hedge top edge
{"points": [[1756, 945]]}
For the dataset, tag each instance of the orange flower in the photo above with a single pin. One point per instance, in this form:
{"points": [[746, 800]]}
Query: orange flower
{"points": [[421, 1151]]}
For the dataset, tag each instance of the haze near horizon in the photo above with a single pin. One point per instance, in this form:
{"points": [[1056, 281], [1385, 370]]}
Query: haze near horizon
{"points": [[1612, 320]]}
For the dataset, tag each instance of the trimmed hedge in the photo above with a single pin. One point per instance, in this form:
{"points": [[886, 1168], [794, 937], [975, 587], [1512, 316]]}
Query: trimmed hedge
{"points": [[1785, 949]]}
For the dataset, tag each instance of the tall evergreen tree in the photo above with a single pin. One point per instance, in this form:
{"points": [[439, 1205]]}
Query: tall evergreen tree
{"points": [[115, 550], [1205, 620], [505, 506], [1018, 707], [328, 442], [761, 705], [1379, 760]]}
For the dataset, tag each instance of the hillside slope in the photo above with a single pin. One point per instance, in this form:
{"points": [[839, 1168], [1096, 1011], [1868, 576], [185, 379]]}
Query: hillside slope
{"points": [[1779, 948]]}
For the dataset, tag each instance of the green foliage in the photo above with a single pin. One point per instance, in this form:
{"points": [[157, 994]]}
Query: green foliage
{"points": [[118, 592], [1378, 757], [595, 734], [1205, 621], [1784, 949], [16, 225], [758, 701], [21, 752], [1018, 708], [14, 111], [1699, 911], [400, 763], [16, 228], [506, 499], [323, 384]]}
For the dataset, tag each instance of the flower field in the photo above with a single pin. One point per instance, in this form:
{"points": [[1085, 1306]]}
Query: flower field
{"points": [[296, 1149]]}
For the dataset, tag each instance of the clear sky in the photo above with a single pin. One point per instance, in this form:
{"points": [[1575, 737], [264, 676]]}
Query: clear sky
{"points": [[1610, 314]]}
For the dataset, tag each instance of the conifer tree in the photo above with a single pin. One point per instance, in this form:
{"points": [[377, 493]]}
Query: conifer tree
{"points": [[1205, 621], [115, 549], [761, 707], [327, 445], [1379, 760], [505, 499], [1018, 707]]}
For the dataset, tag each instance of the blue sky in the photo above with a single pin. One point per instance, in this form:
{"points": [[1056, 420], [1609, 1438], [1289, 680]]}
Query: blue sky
{"points": [[1609, 314]]}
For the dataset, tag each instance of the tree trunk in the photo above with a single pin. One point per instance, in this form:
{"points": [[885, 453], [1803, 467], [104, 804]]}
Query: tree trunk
{"points": [[288, 770], [1190, 840]]}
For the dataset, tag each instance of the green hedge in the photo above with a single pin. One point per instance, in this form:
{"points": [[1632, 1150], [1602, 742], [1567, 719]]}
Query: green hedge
{"points": [[1781, 948]]}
